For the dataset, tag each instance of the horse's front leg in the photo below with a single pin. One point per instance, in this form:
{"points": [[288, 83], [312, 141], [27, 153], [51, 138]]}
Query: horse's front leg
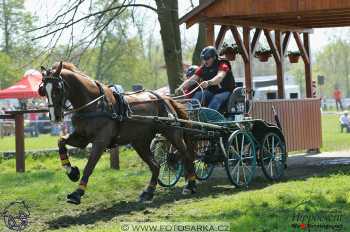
{"points": [[74, 140], [96, 152]]}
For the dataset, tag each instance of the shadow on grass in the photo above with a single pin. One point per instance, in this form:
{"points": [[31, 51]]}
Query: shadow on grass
{"points": [[124, 207], [214, 187]]}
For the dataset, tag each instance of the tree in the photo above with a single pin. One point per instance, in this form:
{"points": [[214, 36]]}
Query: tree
{"points": [[14, 21], [111, 11], [333, 63], [8, 71], [170, 32], [201, 42]]}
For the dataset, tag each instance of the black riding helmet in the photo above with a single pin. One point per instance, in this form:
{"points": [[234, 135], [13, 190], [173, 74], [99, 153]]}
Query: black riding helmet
{"points": [[209, 52], [191, 70]]}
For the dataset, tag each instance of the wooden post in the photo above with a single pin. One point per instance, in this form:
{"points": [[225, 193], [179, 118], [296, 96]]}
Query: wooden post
{"points": [[114, 158], [256, 38], [221, 36], [210, 34], [286, 40], [20, 159], [240, 44], [280, 65], [308, 72], [248, 63]]}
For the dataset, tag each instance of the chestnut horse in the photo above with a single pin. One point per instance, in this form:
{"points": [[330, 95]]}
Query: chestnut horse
{"points": [[93, 103]]}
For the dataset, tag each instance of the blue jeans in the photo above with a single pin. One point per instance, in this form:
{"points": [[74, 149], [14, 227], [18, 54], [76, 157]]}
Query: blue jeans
{"points": [[214, 101]]}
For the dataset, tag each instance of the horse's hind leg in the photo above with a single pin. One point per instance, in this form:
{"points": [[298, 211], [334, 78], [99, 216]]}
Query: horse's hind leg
{"points": [[143, 149], [74, 140], [186, 150]]}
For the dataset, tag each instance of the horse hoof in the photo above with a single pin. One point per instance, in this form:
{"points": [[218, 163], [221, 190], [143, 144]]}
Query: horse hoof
{"points": [[146, 197], [190, 188], [74, 174], [74, 197]]}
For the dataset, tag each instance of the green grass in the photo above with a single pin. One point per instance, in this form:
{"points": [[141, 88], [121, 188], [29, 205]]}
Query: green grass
{"points": [[333, 140], [112, 195], [31, 143]]}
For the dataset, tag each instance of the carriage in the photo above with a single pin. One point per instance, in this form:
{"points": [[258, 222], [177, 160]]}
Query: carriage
{"points": [[227, 138]]}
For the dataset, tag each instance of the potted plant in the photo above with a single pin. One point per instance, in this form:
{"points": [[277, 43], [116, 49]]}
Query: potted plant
{"points": [[236, 49], [263, 54], [294, 56], [229, 51]]}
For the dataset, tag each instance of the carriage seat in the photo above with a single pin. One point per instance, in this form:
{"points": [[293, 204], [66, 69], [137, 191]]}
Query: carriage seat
{"points": [[236, 104]]}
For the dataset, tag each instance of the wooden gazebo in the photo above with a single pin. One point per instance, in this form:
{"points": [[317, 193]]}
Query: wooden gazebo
{"points": [[301, 118]]}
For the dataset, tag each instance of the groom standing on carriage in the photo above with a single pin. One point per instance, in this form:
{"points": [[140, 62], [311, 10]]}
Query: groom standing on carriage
{"points": [[215, 77]]}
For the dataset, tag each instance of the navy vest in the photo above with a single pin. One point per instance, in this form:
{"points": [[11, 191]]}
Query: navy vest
{"points": [[227, 84]]}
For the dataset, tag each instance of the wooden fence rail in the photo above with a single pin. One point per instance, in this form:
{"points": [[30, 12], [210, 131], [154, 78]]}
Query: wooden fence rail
{"points": [[18, 116]]}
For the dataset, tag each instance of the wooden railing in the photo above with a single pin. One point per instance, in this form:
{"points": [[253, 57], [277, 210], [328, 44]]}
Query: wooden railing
{"points": [[18, 116], [300, 119]]}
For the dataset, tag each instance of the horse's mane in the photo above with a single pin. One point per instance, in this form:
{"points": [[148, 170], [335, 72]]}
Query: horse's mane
{"points": [[70, 67]]}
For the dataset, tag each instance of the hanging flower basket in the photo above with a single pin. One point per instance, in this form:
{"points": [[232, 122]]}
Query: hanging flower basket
{"points": [[236, 49], [230, 51], [294, 57], [263, 54]]}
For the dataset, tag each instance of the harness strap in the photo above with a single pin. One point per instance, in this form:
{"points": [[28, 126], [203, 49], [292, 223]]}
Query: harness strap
{"points": [[102, 93], [165, 104], [84, 106]]}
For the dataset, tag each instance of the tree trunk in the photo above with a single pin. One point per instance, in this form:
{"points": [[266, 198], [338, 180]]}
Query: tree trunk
{"points": [[168, 18], [201, 42], [99, 62], [6, 27]]}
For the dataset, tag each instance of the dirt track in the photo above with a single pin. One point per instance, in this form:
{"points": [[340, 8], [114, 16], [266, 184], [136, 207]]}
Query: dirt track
{"points": [[303, 165]]}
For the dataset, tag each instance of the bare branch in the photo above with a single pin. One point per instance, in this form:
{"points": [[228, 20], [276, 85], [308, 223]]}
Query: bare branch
{"points": [[71, 23]]}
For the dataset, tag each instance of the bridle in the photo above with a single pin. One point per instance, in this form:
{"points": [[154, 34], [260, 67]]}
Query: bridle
{"points": [[61, 98]]}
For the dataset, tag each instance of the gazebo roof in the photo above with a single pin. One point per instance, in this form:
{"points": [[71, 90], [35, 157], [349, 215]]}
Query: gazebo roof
{"points": [[291, 15]]}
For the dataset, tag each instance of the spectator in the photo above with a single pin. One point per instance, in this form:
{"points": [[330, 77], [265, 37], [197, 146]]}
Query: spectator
{"points": [[33, 119], [344, 122], [337, 94], [189, 73]]}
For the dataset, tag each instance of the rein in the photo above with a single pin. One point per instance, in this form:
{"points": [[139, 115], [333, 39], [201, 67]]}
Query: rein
{"points": [[189, 93], [84, 106], [131, 103]]}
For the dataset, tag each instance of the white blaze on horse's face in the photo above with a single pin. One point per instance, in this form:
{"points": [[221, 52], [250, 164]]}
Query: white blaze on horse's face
{"points": [[48, 89]]}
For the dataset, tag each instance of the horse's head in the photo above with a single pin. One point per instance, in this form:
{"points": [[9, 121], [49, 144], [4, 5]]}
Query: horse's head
{"points": [[54, 89]]}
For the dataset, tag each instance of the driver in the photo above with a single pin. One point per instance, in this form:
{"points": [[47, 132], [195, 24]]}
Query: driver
{"points": [[215, 77]]}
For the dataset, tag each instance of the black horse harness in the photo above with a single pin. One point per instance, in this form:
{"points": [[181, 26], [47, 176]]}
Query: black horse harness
{"points": [[118, 111]]}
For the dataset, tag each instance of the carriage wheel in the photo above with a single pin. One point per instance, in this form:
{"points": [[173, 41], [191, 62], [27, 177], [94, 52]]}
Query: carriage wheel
{"points": [[203, 170], [273, 156], [170, 167], [241, 158]]}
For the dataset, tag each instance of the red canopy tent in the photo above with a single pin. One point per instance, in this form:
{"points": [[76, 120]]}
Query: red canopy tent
{"points": [[27, 87]]}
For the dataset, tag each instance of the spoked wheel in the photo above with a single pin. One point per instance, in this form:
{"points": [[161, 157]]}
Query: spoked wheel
{"points": [[170, 165], [273, 156], [203, 170], [241, 158]]}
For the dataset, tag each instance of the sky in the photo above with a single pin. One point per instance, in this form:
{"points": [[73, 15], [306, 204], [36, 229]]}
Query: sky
{"points": [[46, 9]]}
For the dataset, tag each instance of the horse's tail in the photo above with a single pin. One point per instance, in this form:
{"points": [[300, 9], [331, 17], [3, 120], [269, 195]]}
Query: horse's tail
{"points": [[179, 108], [182, 113]]}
